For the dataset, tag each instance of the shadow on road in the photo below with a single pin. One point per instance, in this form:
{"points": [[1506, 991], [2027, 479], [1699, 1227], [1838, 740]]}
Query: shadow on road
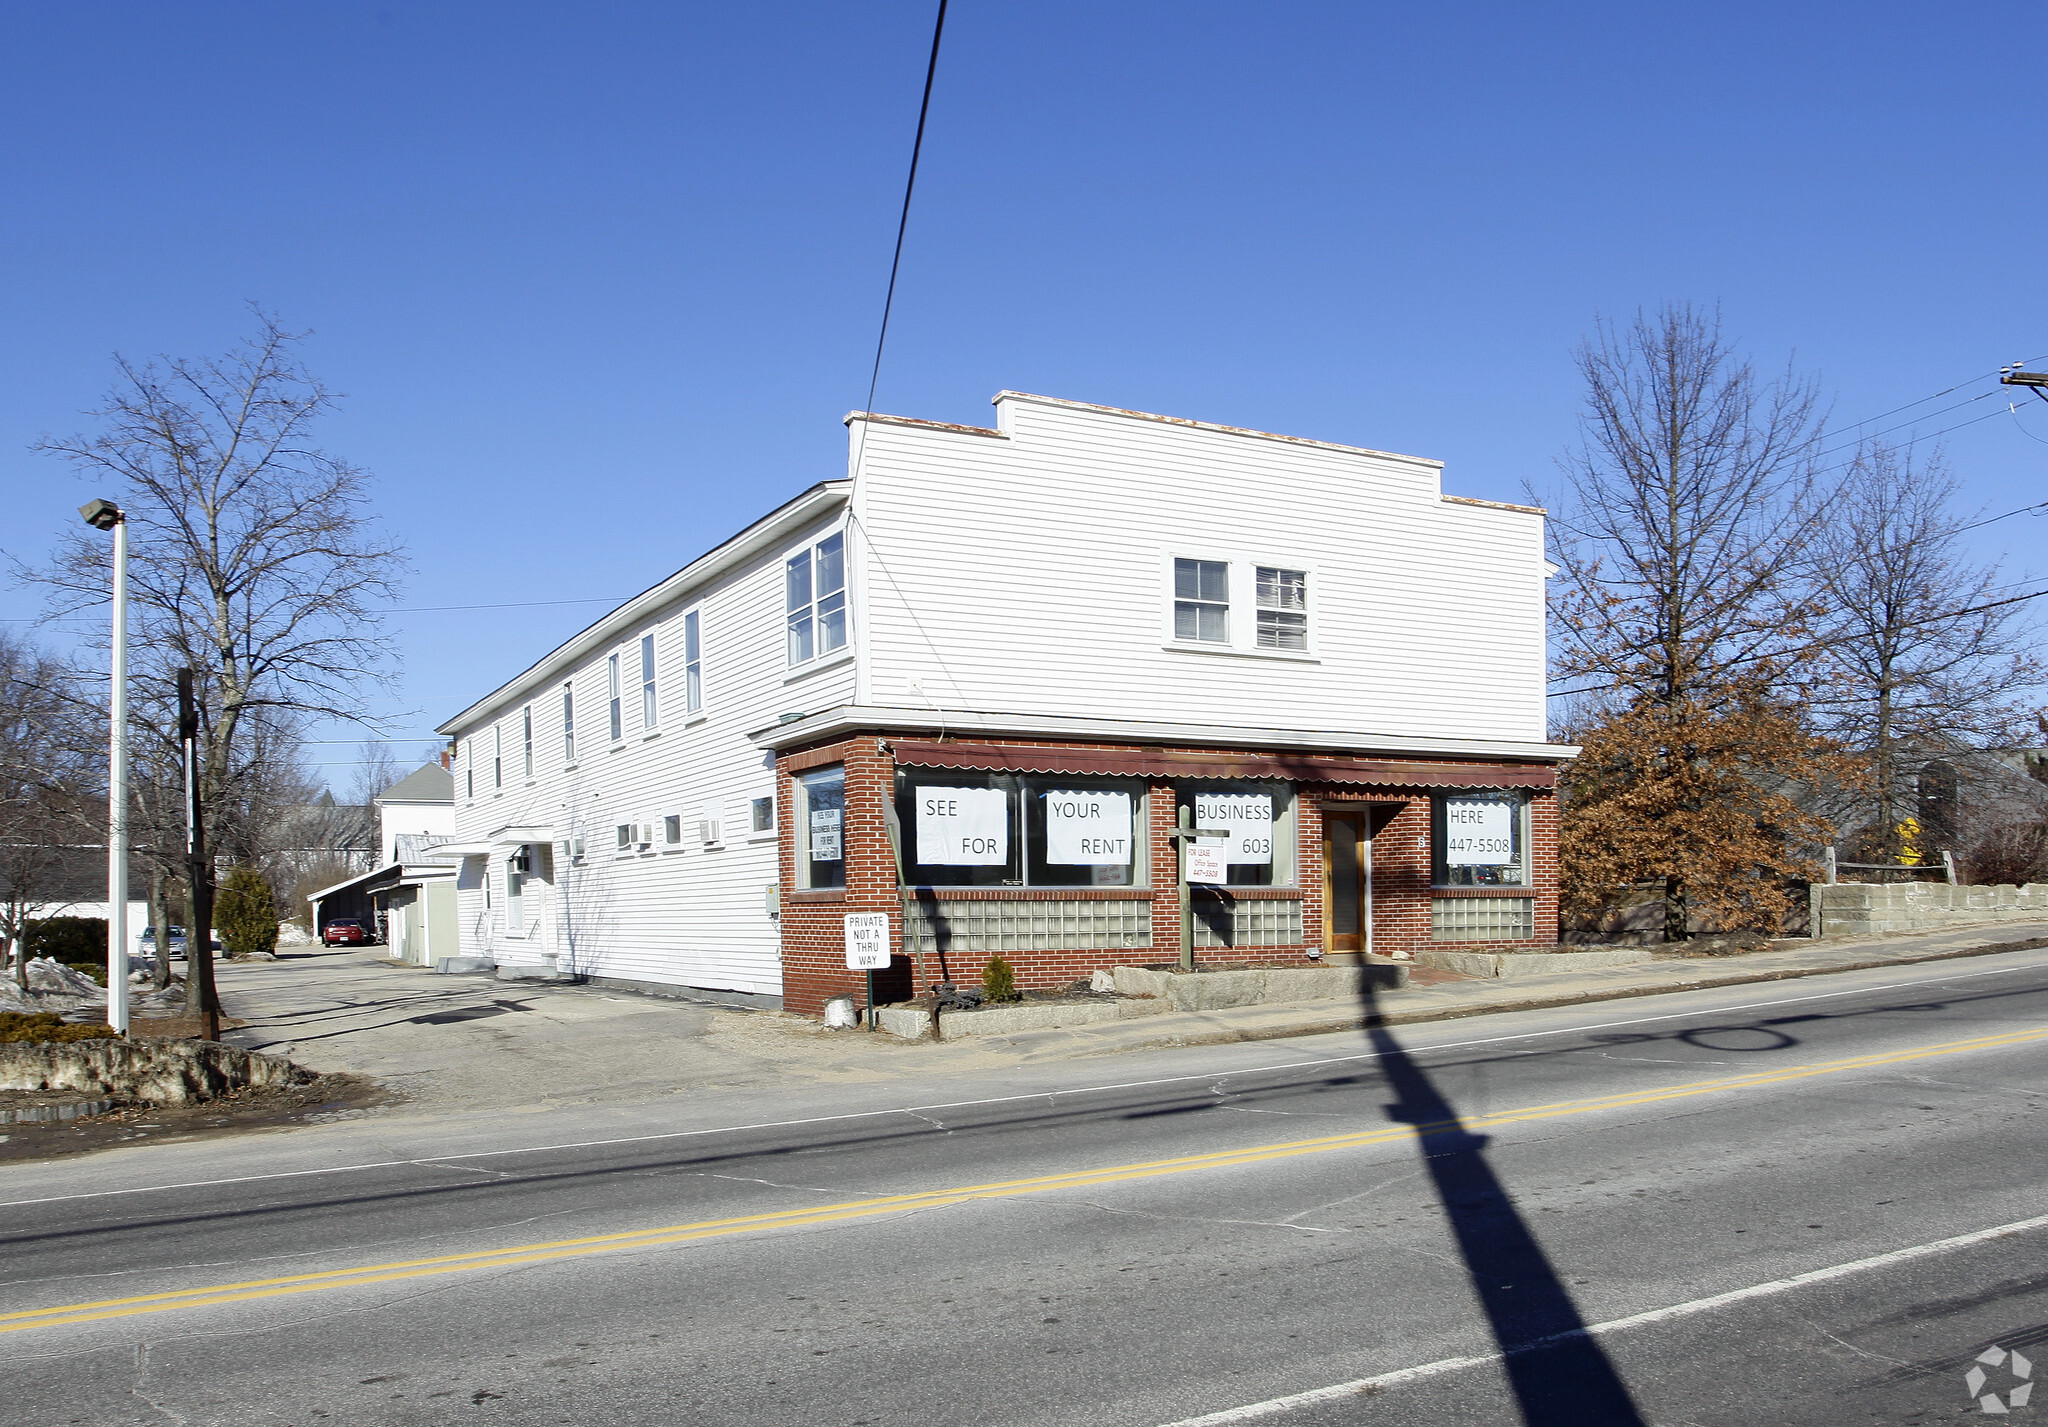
{"points": [[1559, 1375]]}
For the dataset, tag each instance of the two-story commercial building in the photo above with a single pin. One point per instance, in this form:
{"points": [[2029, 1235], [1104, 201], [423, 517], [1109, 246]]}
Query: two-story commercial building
{"points": [[974, 684]]}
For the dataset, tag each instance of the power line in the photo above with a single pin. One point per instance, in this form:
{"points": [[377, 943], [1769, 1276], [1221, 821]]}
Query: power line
{"points": [[903, 223], [1825, 643]]}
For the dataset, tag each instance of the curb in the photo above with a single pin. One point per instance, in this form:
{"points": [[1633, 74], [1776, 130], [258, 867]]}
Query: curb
{"points": [[1352, 1020]]}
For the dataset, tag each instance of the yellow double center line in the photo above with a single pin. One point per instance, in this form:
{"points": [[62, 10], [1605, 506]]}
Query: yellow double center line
{"points": [[902, 1203]]}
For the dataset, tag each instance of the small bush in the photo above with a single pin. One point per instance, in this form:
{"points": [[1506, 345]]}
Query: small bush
{"points": [[245, 913], [24, 1027], [75, 941], [999, 981]]}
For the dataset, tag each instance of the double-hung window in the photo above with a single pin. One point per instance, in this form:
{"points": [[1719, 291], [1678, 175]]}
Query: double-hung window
{"points": [[568, 723], [526, 736], [815, 599], [612, 693], [1283, 608], [693, 666], [1201, 601], [647, 705], [497, 755]]}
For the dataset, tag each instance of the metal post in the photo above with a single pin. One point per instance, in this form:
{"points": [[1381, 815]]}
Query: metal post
{"points": [[117, 797], [871, 998], [1187, 926]]}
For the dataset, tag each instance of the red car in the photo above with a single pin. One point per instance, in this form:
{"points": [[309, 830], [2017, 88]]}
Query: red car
{"points": [[345, 930]]}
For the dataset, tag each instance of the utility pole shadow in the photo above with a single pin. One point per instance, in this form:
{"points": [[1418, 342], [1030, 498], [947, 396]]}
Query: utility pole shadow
{"points": [[1559, 1374]]}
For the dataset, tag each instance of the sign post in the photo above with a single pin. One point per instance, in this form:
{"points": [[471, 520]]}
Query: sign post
{"points": [[867, 949], [1199, 862]]}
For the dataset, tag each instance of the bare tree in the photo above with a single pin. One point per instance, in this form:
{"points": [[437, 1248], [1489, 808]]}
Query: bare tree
{"points": [[51, 780], [1686, 511], [255, 560], [1678, 609], [1920, 657]]}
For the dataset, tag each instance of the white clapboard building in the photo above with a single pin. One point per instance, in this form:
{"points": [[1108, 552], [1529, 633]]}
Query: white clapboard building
{"points": [[971, 684]]}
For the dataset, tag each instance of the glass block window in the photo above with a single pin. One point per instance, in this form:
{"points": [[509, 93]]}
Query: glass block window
{"points": [[932, 927], [1482, 918], [1201, 601], [1260, 923], [1283, 608]]}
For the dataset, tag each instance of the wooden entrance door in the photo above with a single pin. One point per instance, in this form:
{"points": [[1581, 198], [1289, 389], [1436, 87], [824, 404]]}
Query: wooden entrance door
{"points": [[1347, 883]]}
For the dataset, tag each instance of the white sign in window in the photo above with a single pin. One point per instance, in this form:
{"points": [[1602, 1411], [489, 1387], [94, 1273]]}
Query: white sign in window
{"points": [[1205, 860], [1478, 832], [963, 827], [1248, 817], [825, 834], [1088, 829], [867, 941]]}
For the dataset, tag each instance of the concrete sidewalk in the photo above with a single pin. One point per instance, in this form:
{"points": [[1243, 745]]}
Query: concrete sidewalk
{"points": [[463, 1044], [1451, 999]]}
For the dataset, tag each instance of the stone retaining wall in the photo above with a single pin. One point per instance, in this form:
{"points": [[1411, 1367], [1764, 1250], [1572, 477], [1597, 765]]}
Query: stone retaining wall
{"points": [[152, 1072], [1849, 908]]}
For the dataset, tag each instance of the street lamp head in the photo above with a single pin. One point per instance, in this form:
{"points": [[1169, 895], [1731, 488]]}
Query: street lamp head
{"points": [[101, 514]]}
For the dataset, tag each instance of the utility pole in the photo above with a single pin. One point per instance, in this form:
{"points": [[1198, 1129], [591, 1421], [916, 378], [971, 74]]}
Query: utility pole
{"points": [[199, 936], [2014, 376], [105, 515], [1186, 833]]}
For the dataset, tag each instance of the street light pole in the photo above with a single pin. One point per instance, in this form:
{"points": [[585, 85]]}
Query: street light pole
{"points": [[105, 515]]}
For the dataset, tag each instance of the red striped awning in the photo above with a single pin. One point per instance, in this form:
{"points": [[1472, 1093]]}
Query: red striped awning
{"points": [[1165, 763]]}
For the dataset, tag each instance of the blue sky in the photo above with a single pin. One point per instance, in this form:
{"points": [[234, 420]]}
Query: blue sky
{"points": [[600, 281]]}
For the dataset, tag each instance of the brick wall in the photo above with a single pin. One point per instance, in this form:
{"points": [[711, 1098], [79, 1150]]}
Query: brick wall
{"points": [[813, 938]]}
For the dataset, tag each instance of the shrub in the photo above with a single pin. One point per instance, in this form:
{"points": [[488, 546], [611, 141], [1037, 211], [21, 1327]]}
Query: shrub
{"points": [[19, 1027], [75, 941], [999, 981], [245, 913]]}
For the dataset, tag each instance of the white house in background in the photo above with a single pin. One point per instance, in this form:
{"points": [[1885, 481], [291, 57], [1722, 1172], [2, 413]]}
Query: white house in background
{"points": [[409, 897], [415, 813], [690, 792]]}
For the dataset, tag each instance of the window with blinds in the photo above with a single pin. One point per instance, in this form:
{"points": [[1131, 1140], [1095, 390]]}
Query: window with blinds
{"points": [[1283, 608]]}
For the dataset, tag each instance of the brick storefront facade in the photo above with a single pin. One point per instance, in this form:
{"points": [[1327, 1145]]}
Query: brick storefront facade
{"points": [[812, 928]]}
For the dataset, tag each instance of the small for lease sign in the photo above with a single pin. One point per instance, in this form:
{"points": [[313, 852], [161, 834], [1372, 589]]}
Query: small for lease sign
{"points": [[1478, 832]]}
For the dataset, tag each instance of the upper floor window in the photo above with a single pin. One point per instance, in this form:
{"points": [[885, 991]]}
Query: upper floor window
{"points": [[1201, 601], [497, 755], [1241, 606], [1283, 608], [568, 723], [469, 766], [647, 708], [693, 666], [526, 736], [815, 585], [611, 673]]}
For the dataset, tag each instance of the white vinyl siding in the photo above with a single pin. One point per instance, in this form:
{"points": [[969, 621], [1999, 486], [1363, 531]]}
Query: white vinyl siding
{"points": [[663, 913], [1424, 615]]}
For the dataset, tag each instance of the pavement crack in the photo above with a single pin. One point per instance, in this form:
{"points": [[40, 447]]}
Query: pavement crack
{"points": [[1354, 1198], [142, 1377], [1204, 1219], [939, 1125], [1860, 1352]]}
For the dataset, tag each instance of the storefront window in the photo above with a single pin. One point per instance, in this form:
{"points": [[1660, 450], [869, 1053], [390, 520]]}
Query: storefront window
{"points": [[821, 828], [1008, 830], [1259, 817], [1481, 839]]}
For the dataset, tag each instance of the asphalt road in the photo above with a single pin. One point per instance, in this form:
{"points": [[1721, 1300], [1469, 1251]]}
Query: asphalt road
{"points": [[1465, 1222]]}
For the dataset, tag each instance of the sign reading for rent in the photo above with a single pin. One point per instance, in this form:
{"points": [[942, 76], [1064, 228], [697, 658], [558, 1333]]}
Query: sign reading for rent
{"points": [[963, 827]]}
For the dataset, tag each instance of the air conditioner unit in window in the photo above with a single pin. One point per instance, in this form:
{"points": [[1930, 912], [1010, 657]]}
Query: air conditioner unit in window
{"points": [[707, 832], [646, 835], [575, 852]]}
